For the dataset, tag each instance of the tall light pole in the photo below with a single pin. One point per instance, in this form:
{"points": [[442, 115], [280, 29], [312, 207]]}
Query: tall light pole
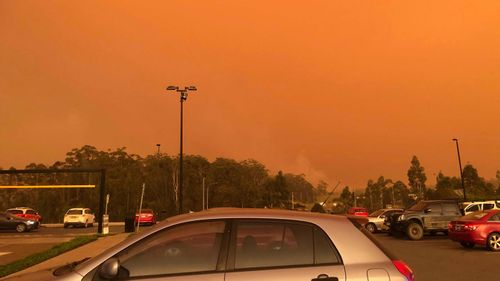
{"points": [[183, 97], [158, 145], [460, 166]]}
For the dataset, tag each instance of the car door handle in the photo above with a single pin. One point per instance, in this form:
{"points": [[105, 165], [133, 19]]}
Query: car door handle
{"points": [[325, 277]]}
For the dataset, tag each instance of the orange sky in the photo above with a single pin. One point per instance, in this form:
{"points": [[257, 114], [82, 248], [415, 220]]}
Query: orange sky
{"points": [[337, 90]]}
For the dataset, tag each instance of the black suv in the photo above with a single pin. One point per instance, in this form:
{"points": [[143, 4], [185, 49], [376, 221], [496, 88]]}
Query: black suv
{"points": [[427, 216]]}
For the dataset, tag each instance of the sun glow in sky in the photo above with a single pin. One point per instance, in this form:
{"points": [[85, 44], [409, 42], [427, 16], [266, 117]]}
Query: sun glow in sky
{"points": [[337, 90]]}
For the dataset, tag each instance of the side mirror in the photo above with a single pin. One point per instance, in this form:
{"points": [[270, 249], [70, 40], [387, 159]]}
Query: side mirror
{"points": [[109, 269], [428, 210], [382, 216]]}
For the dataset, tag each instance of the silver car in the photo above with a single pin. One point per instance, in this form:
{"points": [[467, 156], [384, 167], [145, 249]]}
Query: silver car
{"points": [[376, 219], [230, 244]]}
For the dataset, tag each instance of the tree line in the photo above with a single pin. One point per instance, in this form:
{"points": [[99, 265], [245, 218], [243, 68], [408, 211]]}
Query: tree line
{"points": [[223, 182], [383, 192]]}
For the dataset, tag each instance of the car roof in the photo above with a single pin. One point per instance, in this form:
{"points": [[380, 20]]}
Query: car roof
{"points": [[20, 208], [255, 213]]}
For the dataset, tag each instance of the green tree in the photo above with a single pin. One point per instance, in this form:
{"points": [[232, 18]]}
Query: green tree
{"points": [[416, 177]]}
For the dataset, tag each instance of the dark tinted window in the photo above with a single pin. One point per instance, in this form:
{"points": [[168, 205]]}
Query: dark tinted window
{"points": [[31, 212], [192, 247], [435, 208], [15, 212], [472, 208], [74, 212], [474, 216], [450, 208], [271, 244], [495, 217], [324, 252], [488, 206]]}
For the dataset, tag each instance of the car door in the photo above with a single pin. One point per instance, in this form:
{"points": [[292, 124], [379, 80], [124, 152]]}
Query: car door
{"points": [[432, 216], [281, 250], [190, 251]]}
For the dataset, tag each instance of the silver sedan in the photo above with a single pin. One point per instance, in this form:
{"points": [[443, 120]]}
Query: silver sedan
{"points": [[230, 244]]}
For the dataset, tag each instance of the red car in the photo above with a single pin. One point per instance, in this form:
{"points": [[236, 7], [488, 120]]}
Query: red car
{"points": [[147, 216], [478, 228], [25, 212], [358, 211]]}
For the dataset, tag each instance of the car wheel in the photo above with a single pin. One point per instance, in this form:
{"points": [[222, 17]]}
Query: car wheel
{"points": [[21, 227], [414, 231], [468, 245], [493, 241], [371, 227]]}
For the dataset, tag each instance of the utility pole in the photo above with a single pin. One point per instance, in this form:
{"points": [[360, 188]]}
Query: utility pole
{"points": [[460, 166]]}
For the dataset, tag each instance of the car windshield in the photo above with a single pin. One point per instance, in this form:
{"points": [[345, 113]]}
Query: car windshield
{"points": [[418, 207], [376, 213], [74, 212], [474, 216]]}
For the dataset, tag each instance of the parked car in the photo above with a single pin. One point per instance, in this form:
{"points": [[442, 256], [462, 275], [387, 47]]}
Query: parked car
{"points": [[480, 228], [25, 212], [79, 217], [427, 216], [242, 244], [358, 211], [471, 207], [19, 224], [146, 217], [377, 218]]}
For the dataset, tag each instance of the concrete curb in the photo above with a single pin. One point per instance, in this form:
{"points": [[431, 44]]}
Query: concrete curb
{"points": [[62, 225]]}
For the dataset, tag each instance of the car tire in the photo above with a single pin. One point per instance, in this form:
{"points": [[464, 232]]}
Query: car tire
{"points": [[493, 241], [414, 231], [371, 227], [21, 227], [468, 245]]}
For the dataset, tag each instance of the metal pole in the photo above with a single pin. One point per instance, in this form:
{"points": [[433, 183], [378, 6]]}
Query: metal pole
{"points": [[140, 207], [101, 202], [460, 166], [180, 158]]}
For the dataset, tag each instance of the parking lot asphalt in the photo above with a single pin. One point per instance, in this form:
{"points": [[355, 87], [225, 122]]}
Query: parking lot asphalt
{"points": [[437, 258]]}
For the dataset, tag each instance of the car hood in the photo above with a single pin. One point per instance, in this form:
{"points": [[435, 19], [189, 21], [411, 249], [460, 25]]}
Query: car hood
{"points": [[43, 275]]}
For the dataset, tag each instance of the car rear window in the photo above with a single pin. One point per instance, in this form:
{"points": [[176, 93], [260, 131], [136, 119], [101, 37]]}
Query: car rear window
{"points": [[74, 212], [474, 216]]}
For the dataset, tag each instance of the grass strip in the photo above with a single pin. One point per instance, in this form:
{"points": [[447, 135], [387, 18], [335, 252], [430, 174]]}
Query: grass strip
{"points": [[45, 255]]}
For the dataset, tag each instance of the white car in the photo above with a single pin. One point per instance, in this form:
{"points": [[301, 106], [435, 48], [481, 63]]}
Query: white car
{"points": [[79, 217], [471, 207], [376, 219]]}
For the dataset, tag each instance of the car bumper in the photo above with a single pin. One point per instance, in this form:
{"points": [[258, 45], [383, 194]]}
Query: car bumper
{"points": [[466, 237]]}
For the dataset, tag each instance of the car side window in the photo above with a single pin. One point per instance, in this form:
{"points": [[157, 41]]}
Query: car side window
{"points": [[324, 251], [450, 208], [262, 244], [31, 212], [473, 208], [488, 206], [435, 208], [187, 248], [495, 218]]}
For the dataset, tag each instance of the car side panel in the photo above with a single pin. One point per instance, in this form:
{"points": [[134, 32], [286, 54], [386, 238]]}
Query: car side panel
{"points": [[298, 273]]}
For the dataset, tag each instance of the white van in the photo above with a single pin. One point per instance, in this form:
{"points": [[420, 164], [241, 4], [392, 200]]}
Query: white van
{"points": [[470, 207]]}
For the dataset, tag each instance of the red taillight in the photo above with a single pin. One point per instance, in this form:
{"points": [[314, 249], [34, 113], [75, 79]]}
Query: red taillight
{"points": [[470, 227], [402, 267]]}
